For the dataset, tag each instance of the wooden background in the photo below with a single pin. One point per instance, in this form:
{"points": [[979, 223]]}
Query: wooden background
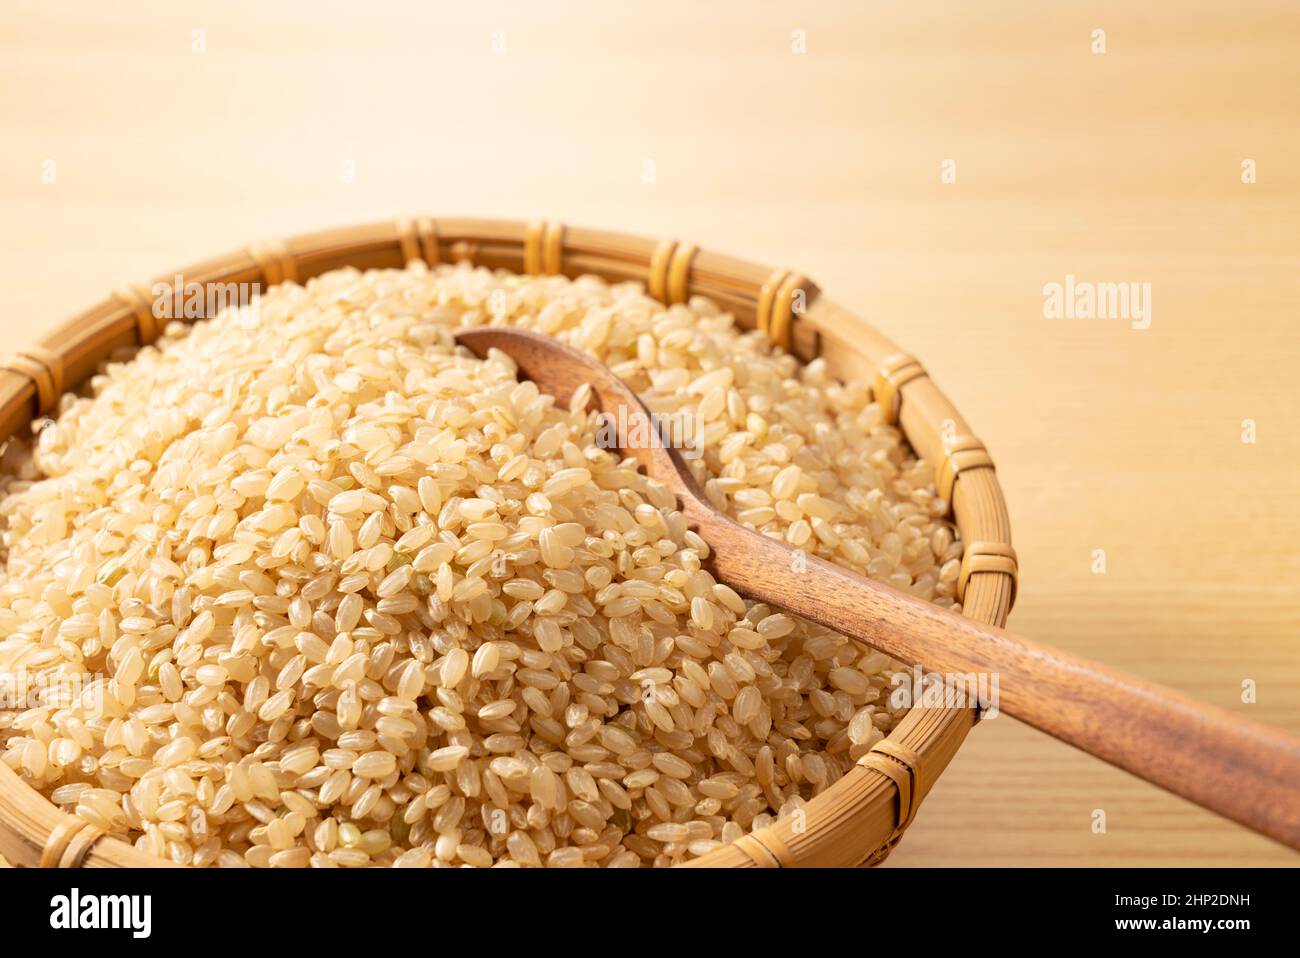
{"points": [[1123, 166]]}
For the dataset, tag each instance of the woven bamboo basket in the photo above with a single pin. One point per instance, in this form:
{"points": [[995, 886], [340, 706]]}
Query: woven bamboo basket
{"points": [[859, 819]]}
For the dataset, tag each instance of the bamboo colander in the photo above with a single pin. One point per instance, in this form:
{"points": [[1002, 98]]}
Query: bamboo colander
{"points": [[859, 819]]}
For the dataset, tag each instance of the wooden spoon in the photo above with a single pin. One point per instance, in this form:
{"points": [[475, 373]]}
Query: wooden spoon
{"points": [[1239, 768]]}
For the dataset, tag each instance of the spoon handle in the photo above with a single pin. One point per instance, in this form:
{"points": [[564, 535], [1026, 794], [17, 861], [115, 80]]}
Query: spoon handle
{"points": [[1244, 770]]}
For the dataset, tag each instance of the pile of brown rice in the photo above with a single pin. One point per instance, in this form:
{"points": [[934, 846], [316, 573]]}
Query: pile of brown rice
{"points": [[306, 585]]}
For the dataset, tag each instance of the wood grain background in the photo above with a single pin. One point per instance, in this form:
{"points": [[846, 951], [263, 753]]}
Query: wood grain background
{"points": [[1124, 166]]}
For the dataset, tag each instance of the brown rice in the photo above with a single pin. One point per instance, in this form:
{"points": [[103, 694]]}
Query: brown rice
{"points": [[305, 585]]}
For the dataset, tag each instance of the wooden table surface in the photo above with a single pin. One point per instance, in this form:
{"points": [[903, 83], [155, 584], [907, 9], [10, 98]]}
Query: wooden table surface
{"points": [[702, 122]]}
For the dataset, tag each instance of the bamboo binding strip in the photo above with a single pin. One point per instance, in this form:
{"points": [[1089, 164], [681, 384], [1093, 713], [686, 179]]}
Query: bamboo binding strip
{"points": [[895, 372], [857, 819], [275, 262], [544, 249], [44, 369], [140, 302], [960, 453], [670, 271], [658, 283], [68, 844], [779, 301], [766, 850], [994, 557], [419, 240], [902, 766]]}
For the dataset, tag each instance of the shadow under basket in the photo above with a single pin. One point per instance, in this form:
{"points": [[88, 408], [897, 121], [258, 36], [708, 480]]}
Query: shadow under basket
{"points": [[857, 820]]}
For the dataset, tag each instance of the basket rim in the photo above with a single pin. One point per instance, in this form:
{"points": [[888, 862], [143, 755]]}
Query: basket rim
{"points": [[857, 820]]}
